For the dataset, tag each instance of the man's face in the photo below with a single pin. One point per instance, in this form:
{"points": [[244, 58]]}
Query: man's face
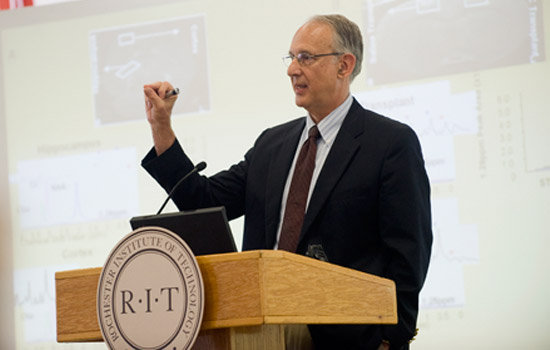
{"points": [[316, 86]]}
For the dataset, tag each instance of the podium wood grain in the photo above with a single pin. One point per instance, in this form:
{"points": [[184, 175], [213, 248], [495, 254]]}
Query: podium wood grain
{"points": [[245, 293]]}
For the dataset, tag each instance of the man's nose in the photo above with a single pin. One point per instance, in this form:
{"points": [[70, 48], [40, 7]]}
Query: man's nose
{"points": [[294, 68]]}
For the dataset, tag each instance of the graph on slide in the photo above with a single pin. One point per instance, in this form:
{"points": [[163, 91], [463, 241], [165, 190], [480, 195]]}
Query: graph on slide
{"points": [[455, 245], [34, 294], [75, 189], [435, 113], [535, 130]]}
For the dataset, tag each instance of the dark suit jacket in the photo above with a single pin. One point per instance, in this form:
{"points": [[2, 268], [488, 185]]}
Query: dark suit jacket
{"points": [[370, 208]]}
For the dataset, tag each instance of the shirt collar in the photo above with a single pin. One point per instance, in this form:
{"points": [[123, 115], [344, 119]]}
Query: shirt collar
{"points": [[329, 125]]}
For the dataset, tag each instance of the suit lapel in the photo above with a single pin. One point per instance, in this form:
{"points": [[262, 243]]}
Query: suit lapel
{"points": [[341, 153], [276, 179]]}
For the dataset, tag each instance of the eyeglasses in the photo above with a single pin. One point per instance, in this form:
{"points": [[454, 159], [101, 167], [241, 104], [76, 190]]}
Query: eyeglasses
{"points": [[306, 59]]}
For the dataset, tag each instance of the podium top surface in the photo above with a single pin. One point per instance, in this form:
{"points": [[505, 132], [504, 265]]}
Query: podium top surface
{"points": [[249, 288]]}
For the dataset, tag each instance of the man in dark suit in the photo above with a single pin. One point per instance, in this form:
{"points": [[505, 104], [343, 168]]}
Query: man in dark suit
{"points": [[368, 205]]}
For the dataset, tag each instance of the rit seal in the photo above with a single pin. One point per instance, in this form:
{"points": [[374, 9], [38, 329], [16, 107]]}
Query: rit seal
{"points": [[150, 293]]}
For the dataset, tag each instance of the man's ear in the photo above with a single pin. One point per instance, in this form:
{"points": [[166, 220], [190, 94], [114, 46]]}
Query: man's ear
{"points": [[347, 63]]}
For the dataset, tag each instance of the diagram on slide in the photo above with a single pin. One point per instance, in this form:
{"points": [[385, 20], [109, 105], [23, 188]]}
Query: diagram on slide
{"points": [[123, 59], [416, 39]]}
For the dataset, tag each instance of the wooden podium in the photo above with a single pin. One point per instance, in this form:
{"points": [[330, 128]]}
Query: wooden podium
{"points": [[249, 297]]}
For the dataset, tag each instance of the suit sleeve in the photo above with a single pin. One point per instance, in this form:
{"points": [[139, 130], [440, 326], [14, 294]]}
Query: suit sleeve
{"points": [[226, 188], [405, 227]]}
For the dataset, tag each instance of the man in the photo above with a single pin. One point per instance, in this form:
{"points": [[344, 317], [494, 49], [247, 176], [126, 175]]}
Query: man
{"points": [[368, 201]]}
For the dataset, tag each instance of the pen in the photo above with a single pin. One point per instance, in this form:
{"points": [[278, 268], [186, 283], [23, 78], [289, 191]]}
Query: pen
{"points": [[173, 92]]}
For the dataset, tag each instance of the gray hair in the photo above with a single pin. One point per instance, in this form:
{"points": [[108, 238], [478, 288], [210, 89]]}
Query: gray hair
{"points": [[347, 37]]}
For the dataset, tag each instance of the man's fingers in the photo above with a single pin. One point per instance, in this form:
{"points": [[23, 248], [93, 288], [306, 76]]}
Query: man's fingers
{"points": [[148, 103], [155, 86], [150, 93], [160, 88]]}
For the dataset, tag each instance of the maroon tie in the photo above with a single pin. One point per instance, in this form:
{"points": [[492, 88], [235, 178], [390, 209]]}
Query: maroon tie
{"points": [[297, 195]]}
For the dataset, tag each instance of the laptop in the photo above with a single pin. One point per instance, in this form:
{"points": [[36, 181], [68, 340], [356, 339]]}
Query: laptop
{"points": [[206, 231]]}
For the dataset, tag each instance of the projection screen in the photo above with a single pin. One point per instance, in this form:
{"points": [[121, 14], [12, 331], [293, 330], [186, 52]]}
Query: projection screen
{"points": [[471, 77]]}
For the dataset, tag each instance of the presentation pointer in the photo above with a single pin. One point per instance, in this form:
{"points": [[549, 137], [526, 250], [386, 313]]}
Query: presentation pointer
{"points": [[172, 93], [197, 168]]}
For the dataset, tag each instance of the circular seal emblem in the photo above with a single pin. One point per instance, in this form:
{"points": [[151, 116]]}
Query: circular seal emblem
{"points": [[150, 293]]}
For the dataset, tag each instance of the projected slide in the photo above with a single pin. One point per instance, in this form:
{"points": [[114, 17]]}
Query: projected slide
{"points": [[407, 39], [76, 189], [123, 59], [435, 113]]}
